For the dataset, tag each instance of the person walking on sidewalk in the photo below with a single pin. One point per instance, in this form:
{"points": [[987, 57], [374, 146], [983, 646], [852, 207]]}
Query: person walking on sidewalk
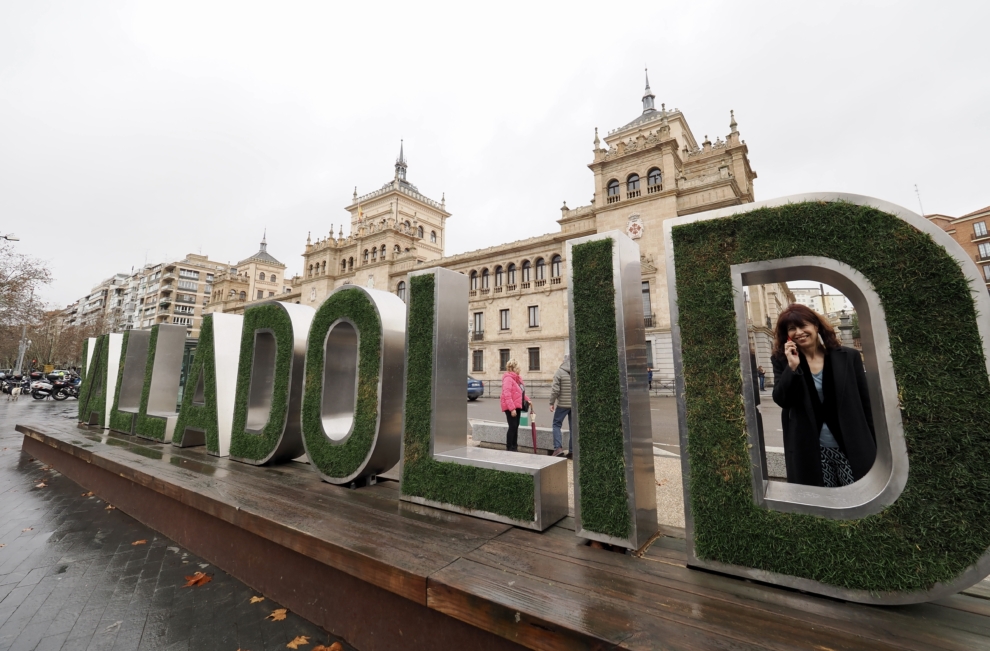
{"points": [[763, 378], [512, 403], [560, 405]]}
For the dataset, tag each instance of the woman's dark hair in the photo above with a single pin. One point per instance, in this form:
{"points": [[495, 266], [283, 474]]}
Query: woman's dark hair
{"points": [[799, 315]]}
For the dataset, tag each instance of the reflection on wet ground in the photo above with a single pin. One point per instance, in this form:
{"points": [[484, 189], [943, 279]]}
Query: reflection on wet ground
{"points": [[74, 574]]}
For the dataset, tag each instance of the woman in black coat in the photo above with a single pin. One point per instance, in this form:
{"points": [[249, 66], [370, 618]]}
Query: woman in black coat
{"points": [[829, 438]]}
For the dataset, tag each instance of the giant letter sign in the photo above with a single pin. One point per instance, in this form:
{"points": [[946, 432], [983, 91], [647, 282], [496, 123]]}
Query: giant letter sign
{"points": [[207, 412], [270, 383], [352, 407], [614, 482], [916, 527], [130, 381], [439, 468]]}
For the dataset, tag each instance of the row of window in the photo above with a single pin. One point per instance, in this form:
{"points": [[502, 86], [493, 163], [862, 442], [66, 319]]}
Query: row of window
{"points": [[507, 275], [504, 355], [504, 320], [654, 183], [271, 277], [980, 229], [348, 264]]}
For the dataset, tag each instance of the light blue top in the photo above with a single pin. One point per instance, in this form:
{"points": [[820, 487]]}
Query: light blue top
{"points": [[825, 439]]}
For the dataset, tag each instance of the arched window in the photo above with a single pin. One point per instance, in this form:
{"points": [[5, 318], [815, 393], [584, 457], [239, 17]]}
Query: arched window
{"points": [[419, 232], [232, 293], [383, 251], [484, 278], [350, 263], [366, 255], [343, 265], [632, 185], [433, 236], [397, 249], [613, 191], [243, 295], [408, 225], [261, 276], [499, 276], [310, 270], [374, 254], [400, 290], [322, 272], [525, 271], [511, 273], [541, 269], [474, 280], [654, 180], [555, 266]]}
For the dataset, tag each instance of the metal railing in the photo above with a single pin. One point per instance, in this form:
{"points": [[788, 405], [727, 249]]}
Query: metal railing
{"points": [[650, 320]]}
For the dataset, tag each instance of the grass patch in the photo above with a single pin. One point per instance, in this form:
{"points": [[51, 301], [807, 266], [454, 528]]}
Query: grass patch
{"points": [[201, 417], [342, 460], [145, 426], [940, 525], [602, 473], [121, 421], [507, 494]]}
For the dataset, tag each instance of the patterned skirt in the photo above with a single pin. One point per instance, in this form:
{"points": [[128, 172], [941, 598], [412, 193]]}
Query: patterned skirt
{"points": [[836, 470]]}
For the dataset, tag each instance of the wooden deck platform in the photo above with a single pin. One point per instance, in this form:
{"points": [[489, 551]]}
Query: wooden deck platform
{"points": [[387, 574]]}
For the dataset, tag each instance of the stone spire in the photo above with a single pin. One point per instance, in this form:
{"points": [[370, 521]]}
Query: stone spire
{"points": [[734, 128], [308, 234], [400, 163], [597, 141], [264, 240], [648, 96], [355, 193]]}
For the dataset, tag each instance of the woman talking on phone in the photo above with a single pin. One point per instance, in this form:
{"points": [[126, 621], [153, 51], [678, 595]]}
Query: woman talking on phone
{"points": [[821, 386]]}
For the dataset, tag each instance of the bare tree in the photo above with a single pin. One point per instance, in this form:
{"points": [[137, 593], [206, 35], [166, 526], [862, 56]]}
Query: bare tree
{"points": [[20, 278]]}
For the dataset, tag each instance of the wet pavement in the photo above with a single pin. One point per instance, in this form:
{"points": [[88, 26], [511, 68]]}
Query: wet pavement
{"points": [[75, 576]]}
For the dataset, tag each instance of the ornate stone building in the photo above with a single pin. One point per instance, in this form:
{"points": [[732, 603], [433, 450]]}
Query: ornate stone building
{"points": [[648, 170], [257, 277]]}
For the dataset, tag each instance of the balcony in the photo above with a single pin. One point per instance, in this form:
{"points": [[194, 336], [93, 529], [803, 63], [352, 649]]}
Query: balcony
{"points": [[632, 194], [555, 280], [976, 236], [612, 199], [525, 285], [478, 336], [498, 289], [541, 283], [654, 188], [650, 320], [166, 290], [164, 302], [511, 288], [168, 278]]}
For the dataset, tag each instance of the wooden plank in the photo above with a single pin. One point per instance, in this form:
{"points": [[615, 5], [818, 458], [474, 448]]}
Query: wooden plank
{"points": [[541, 615], [922, 626], [652, 605]]}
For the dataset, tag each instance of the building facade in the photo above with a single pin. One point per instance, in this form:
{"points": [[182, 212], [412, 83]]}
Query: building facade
{"points": [[258, 277], [971, 232], [644, 172]]}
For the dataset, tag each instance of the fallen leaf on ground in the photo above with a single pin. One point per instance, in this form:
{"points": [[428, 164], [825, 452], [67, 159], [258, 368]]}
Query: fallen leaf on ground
{"points": [[28, 529], [46, 467], [662, 482], [110, 507], [89, 494], [199, 578], [139, 542], [31, 459], [41, 485], [277, 615], [257, 600], [300, 639], [336, 646], [2, 545]]}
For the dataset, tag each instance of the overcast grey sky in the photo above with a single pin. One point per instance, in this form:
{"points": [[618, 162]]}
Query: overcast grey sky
{"points": [[140, 130]]}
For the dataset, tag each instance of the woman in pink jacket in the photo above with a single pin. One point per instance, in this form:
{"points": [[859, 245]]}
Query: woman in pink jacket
{"points": [[512, 396]]}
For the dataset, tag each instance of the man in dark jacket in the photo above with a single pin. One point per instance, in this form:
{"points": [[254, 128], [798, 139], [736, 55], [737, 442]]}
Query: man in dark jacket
{"points": [[560, 405]]}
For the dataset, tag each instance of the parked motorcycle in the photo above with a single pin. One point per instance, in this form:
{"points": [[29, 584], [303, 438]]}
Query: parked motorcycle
{"points": [[55, 389]]}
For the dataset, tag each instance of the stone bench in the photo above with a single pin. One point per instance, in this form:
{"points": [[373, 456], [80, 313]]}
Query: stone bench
{"points": [[491, 434]]}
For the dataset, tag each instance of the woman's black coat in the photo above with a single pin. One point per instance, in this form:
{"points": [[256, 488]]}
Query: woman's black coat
{"points": [[846, 411]]}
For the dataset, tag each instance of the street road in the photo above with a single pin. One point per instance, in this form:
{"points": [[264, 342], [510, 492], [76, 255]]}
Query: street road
{"points": [[663, 412]]}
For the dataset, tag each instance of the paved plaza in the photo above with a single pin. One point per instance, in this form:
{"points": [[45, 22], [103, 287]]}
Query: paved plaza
{"points": [[75, 576]]}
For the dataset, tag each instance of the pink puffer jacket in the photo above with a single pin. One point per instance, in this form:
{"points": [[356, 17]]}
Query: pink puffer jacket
{"points": [[512, 391]]}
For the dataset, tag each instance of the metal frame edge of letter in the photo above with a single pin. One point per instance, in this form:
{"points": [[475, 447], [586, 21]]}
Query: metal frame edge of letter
{"points": [[90, 349], [972, 574], [637, 433], [226, 351], [115, 344], [448, 434], [387, 442], [290, 444]]}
